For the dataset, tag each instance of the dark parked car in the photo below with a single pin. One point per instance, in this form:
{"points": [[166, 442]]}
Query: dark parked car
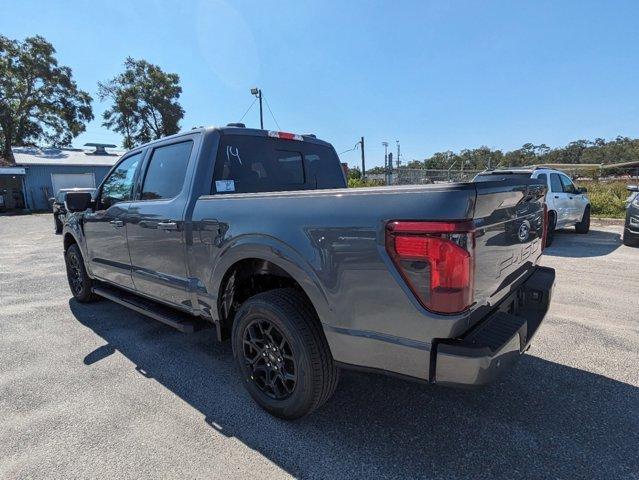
{"points": [[631, 228], [57, 205], [254, 233]]}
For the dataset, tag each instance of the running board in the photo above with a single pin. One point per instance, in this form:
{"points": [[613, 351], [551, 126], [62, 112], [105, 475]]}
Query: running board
{"points": [[169, 316]]}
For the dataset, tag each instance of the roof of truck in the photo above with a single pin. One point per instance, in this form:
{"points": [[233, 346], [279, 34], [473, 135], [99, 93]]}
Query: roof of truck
{"points": [[236, 130]]}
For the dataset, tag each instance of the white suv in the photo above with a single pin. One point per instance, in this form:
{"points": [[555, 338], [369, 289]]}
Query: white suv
{"points": [[567, 204]]}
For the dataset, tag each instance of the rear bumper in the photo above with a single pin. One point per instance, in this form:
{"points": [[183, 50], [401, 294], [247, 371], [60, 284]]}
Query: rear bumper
{"points": [[497, 342]]}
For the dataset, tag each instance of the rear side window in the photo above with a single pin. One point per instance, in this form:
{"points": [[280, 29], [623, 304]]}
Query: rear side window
{"points": [[247, 164], [555, 183], [165, 175], [543, 177]]}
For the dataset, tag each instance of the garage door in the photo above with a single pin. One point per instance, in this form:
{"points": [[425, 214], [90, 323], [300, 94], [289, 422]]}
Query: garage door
{"points": [[72, 180]]}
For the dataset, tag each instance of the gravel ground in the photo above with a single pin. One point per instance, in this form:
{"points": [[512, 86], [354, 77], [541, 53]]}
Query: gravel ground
{"points": [[98, 391]]}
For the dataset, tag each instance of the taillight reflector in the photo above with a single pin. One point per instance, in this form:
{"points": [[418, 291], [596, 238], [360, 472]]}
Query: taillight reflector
{"points": [[436, 261]]}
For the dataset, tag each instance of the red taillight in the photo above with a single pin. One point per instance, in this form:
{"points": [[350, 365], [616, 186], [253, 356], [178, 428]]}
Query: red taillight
{"points": [[436, 261], [544, 230]]}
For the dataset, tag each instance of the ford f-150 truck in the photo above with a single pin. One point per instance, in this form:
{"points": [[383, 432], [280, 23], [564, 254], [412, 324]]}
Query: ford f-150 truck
{"points": [[255, 234]]}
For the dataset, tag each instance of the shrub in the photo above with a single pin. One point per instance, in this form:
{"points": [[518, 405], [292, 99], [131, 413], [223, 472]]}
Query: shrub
{"points": [[358, 182], [607, 199]]}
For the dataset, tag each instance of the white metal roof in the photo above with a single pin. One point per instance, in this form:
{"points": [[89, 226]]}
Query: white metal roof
{"points": [[26, 156]]}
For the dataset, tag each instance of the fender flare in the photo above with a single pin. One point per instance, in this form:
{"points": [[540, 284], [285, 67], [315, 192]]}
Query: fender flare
{"points": [[73, 228], [279, 253]]}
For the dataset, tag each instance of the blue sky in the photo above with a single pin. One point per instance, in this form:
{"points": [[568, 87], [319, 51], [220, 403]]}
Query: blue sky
{"points": [[435, 75]]}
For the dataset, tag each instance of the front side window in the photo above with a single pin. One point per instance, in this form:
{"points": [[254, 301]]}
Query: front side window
{"points": [[118, 186], [567, 184], [555, 183], [166, 172]]}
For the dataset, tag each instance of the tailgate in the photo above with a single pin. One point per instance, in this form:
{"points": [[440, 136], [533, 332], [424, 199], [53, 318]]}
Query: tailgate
{"points": [[509, 222]]}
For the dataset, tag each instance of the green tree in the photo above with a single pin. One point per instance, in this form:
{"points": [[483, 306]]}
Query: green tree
{"points": [[39, 100], [144, 102], [354, 173], [374, 170]]}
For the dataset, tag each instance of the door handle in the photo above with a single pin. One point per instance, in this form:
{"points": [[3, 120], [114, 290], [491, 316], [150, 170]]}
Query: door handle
{"points": [[556, 196], [167, 226], [117, 223]]}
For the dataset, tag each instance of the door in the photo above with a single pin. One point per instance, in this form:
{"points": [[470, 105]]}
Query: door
{"points": [[155, 226], [573, 198], [560, 200], [104, 228], [71, 180]]}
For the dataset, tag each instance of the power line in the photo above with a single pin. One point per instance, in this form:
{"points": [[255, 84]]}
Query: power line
{"points": [[350, 149], [269, 109], [248, 110]]}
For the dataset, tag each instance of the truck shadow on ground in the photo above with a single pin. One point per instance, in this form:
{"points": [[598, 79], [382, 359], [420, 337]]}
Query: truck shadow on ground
{"points": [[595, 243], [542, 419]]}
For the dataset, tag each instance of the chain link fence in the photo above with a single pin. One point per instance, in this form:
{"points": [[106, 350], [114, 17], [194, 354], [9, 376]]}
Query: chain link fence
{"points": [[420, 176]]}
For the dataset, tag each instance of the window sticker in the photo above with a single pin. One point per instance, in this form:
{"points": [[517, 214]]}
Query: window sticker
{"points": [[225, 185]]}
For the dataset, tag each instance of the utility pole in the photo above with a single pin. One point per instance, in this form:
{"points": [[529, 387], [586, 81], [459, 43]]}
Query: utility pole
{"points": [[363, 159], [386, 177], [258, 93]]}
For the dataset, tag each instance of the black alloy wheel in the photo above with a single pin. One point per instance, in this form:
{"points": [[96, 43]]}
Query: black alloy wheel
{"points": [[269, 357]]}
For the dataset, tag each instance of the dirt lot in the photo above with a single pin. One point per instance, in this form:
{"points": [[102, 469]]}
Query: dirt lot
{"points": [[99, 391]]}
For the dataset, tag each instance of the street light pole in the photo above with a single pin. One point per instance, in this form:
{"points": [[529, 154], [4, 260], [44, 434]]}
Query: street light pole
{"points": [[258, 93]]}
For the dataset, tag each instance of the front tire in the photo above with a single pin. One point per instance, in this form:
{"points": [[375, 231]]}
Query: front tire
{"points": [[282, 355], [584, 225], [79, 281]]}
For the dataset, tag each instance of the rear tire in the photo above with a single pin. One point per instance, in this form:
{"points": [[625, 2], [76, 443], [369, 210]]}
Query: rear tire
{"points": [[550, 231], [282, 355], [79, 281], [584, 225]]}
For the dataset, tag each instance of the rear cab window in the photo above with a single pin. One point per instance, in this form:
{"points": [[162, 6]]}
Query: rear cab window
{"points": [[251, 164]]}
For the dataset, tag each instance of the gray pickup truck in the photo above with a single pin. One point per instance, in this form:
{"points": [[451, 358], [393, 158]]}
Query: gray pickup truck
{"points": [[254, 233]]}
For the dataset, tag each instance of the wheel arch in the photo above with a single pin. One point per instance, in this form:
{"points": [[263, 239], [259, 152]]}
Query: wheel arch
{"points": [[248, 267]]}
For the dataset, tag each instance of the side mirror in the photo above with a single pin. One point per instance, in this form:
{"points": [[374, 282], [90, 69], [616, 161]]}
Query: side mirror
{"points": [[78, 201], [633, 188], [582, 190]]}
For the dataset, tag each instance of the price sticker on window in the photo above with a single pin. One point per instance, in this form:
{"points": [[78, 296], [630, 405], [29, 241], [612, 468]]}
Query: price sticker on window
{"points": [[225, 185]]}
